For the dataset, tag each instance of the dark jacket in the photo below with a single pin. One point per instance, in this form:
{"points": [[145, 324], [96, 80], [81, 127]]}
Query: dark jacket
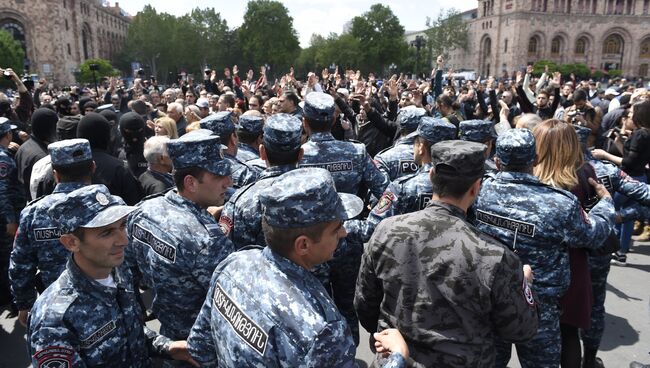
{"points": [[28, 153], [114, 174], [154, 182]]}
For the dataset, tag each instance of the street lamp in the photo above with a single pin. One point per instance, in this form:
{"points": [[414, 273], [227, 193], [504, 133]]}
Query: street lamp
{"points": [[419, 43], [391, 68]]}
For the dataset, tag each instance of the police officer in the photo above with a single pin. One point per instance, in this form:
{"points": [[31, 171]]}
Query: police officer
{"points": [[11, 202], [89, 316], [408, 193], [538, 221], [397, 161], [177, 243], [481, 131], [241, 218], [425, 273], [351, 167], [36, 246], [222, 125], [249, 135], [264, 308]]}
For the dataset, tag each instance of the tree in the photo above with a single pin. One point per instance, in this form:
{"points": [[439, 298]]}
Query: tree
{"points": [[380, 36], [12, 54], [447, 33], [104, 69], [267, 35]]}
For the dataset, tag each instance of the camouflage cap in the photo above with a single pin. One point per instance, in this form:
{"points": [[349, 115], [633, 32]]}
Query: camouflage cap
{"points": [[69, 151], [6, 126], [319, 107], [304, 197], [516, 147], [459, 158], [435, 130], [251, 124], [282, 132], [583, 133], [220, 123], [476, 130], [410, 117], [199, 150], [91, 206]]}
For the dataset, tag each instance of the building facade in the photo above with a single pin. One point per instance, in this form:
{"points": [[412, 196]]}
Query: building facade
{"points": [[58, 35], [506, 35]]}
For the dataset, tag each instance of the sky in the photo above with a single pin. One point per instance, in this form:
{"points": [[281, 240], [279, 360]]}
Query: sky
{"points": [[311, 16]]}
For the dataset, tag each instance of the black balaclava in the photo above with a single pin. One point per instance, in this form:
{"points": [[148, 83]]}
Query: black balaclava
{"points": [[132, 129], [96, 129], [63, 106], [44, 124], [82, 102]]}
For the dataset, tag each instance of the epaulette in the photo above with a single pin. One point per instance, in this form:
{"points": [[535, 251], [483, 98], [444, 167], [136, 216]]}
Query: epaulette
{"points": [[160, 194], [404, 178], [238, 193], [353, 141], [61, 302], [383, 151], [250, 247], [36, 200]]}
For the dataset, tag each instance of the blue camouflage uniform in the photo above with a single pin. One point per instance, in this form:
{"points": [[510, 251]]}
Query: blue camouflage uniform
{"points": [[409, 193], [397, 161], [78, 322], [176, 243], [264, 310], [537, 222], [222, 125], [241, 218], [36, 246], [253, 125], [353, 171], [481, 131]]}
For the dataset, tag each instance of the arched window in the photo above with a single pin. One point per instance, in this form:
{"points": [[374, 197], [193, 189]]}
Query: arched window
{"points": [[581, 46], [86, 41], [644, 51], [613, 44], [556, 45], [532, 45], [16, 30]]}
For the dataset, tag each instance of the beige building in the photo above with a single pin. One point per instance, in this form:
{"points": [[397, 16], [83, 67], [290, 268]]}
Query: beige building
{"points": [[58, 35], [506, 35]]}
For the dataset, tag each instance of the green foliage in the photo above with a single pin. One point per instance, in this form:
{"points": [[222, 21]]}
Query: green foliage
{"points": [[267, 35], [381, 38], [538, 67], [11, 54], [578, 69], [597, 74], [615, 73], [105, 70], [447, 33]]}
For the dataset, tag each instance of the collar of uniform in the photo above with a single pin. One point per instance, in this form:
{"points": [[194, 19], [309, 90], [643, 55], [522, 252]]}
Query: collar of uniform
{"points": [[181, 202], [67, 187], [408, 140], [4, 149], [321, 136], [249, 148], [453, 210], [293, 270], [87, 285], [588, 156], [426, 167], [167, 178], [519, 176], [276, 171]]}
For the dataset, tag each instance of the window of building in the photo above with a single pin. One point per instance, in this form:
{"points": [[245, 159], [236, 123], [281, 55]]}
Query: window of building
{"points": [[613, 44], [643, 70], [556, 45], [64, 4], [66, 25], [644, 51], [594, 6], [505, 45], [69, 50], [646, 7], [532, 45], [581, 46]]}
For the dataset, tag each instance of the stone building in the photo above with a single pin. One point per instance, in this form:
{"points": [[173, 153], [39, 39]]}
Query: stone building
{"points": [[58, 35], [506, 35]]}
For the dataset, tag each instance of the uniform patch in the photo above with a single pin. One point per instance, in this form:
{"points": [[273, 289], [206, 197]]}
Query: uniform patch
{"points": [[607, 182], [243, 325], [407, 167], [98, 335], [385, 203], [340, 166], [162, 248], [214, 230], [528, 293], [423, 200], [522, 228], [54, 357], [4, 169], [226, 224], [47, 233]]}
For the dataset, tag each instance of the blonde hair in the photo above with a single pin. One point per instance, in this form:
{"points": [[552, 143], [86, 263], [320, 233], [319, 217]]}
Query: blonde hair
{"points": [[558, 154], [170, 126]]}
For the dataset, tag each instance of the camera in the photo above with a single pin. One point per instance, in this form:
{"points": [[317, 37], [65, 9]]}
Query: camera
{"points": [[94, 67], [613, 132], [7, 75], [140, 72]]}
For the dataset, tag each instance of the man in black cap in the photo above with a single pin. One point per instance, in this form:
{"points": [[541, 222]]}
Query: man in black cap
{"points": [[132, 129], [44, 123]]}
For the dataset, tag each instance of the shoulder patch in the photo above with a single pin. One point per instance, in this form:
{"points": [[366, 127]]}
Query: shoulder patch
{"points": [[226, 225], [47, 233], [247, 329], [521, 227], [4, 169], [408, 167], [384, 204], [54, 357], [97, 335], [423, 200], [528, 293], [162, 248]]}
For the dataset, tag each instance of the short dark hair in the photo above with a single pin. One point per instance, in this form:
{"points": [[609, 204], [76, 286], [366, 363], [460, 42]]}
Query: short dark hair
{"points": [[180, 174], [226, 138], [579, 95], [516, 168], [641, 114], [455, 186], [281, 240], [247, 137], [319, 126], [228, 99], [76, 172], [290, 95], [79, 233], [277, 158]]}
